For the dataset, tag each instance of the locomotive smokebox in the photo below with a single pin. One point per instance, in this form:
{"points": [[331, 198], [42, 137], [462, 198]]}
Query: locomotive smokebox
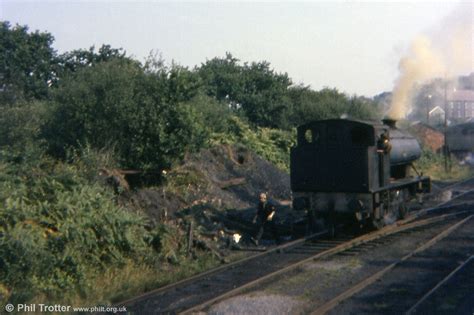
{"points": [[405, 149]]}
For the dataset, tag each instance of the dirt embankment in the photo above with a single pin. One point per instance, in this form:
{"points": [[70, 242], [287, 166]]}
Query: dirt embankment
{"points": [[223, 177]]}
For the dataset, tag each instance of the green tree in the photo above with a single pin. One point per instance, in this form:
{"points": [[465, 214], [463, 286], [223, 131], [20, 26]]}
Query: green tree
{"points": [[77, 59], [118, 104], [214, 114], [254, 89], [264, 99], [27, 63], [328, 103], [222, 79]]}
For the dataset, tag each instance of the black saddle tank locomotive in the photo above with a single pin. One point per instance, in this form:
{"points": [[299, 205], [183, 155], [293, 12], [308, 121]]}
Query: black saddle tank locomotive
{"points": [[348, 170]]}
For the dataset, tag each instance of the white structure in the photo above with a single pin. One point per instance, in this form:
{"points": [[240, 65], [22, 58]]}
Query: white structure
{"points": [[436, 116]]}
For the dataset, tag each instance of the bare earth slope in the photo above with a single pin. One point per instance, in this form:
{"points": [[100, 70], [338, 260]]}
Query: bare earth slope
{"points": [[224, 177]]}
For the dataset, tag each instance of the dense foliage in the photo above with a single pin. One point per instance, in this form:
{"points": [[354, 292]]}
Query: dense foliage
{"points": [[434, 165], [27, 63], [131, 110], [55, 226]]}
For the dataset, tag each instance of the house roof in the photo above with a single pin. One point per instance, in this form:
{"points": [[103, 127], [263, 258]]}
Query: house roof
{"points": [[461, 95], [436, 109], [421, 125]]}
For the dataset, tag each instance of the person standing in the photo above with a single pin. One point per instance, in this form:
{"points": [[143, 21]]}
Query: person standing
{"points": [[264, 219]]}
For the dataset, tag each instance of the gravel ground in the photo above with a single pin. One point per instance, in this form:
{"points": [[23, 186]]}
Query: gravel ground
{"points": [[273, 304], [315, 283], [456, 296]]}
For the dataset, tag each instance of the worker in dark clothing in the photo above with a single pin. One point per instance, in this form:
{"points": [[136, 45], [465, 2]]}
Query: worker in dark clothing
{"points": [[264, 219]]}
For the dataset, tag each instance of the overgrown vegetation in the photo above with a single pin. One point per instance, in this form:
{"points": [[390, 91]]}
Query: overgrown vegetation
{"points": [[272, 144], [433, 164], [63, 234], [60, 232]]}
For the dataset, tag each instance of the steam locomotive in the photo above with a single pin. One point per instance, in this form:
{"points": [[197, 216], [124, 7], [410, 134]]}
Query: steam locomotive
{"points": [[354, 171]]}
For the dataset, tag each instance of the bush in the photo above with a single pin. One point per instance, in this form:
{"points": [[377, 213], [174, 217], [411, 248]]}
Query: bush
{"points": [[56, 228], [20, 126], [328, 103], [433, 165], [117, 104], [271, 144]]}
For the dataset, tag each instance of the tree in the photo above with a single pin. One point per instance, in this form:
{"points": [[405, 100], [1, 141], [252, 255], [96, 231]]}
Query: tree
{"points": [[26, 63], [77, 59], [327, 103], [253, 89], [222, 77], [264, 97], [117, 104], [214, 114]]}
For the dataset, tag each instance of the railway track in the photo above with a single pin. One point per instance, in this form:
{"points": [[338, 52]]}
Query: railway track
{"points": [[433, 277], [201, 291], [329, 305], [462, 280], [198, 293]]}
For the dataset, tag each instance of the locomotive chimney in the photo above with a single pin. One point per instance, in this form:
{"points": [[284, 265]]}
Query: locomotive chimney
{"points": [[390, 122]]}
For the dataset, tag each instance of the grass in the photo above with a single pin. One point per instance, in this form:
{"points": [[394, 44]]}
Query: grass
{"points": [[433, 165], [119, 284]]}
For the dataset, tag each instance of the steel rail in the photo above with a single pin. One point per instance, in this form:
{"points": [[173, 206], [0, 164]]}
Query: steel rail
{"points": [[460, 183], [439, 285], [323, 309]]}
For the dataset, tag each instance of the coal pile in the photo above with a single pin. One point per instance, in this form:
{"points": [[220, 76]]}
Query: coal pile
{"points": [[223, 177]]}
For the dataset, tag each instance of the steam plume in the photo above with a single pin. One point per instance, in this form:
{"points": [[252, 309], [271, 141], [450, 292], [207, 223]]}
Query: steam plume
{"points": [[421, 64], [447, 52]]}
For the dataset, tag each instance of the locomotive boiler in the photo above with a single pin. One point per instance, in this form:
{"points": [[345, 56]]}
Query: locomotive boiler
{"points": [[354, 171]]}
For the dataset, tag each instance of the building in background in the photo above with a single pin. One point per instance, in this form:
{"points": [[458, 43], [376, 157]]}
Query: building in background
{"points": [[460, 105]]}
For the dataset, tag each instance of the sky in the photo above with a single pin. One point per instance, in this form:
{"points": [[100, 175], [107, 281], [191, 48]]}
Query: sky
{"points": [[353, 46]]}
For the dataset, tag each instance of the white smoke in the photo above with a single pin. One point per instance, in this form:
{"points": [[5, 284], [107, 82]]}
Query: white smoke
{"points": [[446, 52]]}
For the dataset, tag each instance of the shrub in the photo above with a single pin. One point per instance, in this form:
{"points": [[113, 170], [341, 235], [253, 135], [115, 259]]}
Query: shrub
{"points": [[56, 228], [271, 144], [117, 104], [433, 165]]}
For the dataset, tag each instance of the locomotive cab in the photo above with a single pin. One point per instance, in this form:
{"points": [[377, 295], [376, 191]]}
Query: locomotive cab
{"points": [[349, 170]]}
